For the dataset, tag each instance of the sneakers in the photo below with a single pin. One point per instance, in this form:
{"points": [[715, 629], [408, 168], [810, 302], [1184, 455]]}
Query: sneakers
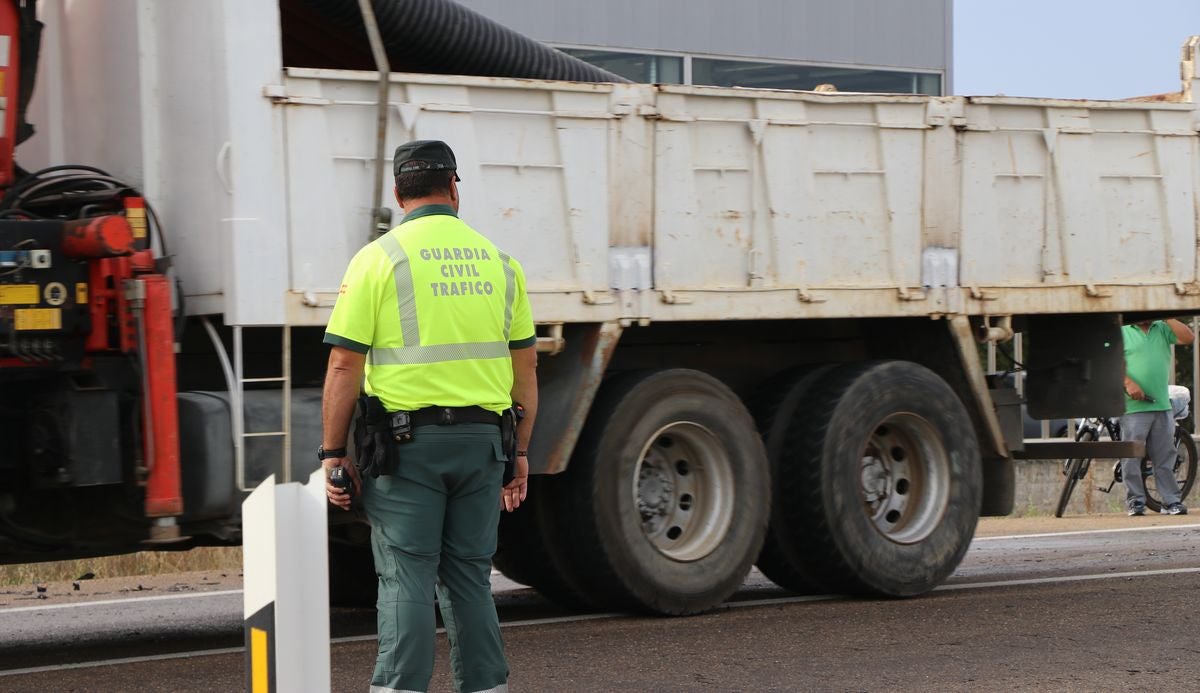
{"points": [[1136, 508], [1174, 509]]}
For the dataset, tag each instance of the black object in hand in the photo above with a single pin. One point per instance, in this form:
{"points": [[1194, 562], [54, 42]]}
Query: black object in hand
{"points": [[341, 479]]}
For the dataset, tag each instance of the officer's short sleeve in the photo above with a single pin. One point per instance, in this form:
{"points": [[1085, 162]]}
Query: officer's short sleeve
{"points": [[521, 334], [352, 324]]}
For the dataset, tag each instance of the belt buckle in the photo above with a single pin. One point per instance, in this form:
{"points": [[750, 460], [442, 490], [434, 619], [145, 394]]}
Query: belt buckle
{"points": [[447, 415]]}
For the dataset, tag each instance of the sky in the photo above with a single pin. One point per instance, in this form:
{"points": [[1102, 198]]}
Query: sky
{"points": [[1075, 49]]}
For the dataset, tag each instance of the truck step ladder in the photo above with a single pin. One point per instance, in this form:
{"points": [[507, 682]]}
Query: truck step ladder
{"points": [[237, 405]]}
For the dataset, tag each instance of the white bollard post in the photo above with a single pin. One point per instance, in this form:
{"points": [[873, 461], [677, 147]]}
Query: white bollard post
{"points": [[286, 586]]}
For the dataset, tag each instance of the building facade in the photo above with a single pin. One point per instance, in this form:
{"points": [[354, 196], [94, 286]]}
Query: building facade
{"points": [[899, 46]]}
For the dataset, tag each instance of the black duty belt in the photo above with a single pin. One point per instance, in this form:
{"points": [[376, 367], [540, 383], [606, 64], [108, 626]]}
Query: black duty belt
{"points": [[448, 416]]}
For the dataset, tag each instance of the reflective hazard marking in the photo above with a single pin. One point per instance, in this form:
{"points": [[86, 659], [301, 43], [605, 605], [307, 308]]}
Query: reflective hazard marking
{"points": [[37, 319], [20, 294], [285, 603], [81, 293], [260, 667], [260, 678]]}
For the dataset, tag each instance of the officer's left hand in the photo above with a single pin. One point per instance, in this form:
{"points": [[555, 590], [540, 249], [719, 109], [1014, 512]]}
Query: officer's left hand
{"points": [[516, 490], [336, 495]]}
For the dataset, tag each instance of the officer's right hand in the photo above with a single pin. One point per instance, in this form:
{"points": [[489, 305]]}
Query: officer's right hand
{"points": [[337, 496], [516, 490]]}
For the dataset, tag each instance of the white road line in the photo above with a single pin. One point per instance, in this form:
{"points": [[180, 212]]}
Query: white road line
{"points": [[506, 624], [1156, 528], [599, 617], [1065, 578], [190, 595], [240, 650], [131, 600], [124, 660]]}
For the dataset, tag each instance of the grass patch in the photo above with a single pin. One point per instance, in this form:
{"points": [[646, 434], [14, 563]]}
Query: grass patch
{"points": [[223, 558]]}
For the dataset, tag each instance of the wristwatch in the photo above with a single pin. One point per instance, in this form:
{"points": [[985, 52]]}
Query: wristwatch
{"points": [[323, 454]]}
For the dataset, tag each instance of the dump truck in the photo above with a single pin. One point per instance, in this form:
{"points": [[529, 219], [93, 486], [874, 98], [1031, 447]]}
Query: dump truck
{"points": [[759, 312]]}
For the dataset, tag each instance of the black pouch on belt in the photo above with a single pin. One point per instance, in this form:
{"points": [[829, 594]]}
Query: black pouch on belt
{"points": [[371, 438]]}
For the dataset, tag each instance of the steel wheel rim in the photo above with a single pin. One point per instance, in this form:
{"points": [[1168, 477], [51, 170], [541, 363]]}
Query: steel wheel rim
{"points": [[683, 490], [904, 476]]}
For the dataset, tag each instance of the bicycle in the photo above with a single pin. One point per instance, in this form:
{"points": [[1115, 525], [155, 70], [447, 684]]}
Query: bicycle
{"points": [[1093, 429]]}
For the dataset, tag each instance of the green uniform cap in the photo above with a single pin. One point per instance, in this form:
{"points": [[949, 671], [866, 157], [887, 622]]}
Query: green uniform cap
{"points": [[424, 155]]}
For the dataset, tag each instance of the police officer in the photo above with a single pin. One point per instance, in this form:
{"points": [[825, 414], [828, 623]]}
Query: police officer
{"points": [[438, 320]]}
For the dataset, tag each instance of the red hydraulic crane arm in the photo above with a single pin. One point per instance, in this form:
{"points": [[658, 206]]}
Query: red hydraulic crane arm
{"points": [[89, 290], [127, 291], [10, 27]]}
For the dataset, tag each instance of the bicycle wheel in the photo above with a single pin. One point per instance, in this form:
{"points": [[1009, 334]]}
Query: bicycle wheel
{"points": [[1185, 470], [1076, 469], [1186, 461]]}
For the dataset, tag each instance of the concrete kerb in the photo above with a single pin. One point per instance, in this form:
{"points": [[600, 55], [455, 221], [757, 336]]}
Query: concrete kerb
{"points": [[1039, 482]]}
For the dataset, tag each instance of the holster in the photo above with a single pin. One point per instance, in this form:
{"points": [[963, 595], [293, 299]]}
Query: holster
{"points": [[508, 438], [373, 440]]}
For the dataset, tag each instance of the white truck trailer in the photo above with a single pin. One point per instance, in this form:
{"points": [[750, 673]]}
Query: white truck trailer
{"points": [[759, 312]]}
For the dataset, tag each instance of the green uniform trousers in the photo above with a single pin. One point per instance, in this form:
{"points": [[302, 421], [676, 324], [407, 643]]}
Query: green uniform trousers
{"points": [[433, 522]]}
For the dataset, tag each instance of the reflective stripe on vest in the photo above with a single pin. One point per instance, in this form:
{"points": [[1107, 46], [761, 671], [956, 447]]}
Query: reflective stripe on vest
{"points": [[510, 291], [436, 353], [406, 295], [413, 352]]}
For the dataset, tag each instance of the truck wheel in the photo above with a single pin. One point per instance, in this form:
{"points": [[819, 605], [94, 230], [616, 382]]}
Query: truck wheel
{"points": [[515, 555], [774, 408], [352, 578], [663, 507], [522, 554], [882, 480]]}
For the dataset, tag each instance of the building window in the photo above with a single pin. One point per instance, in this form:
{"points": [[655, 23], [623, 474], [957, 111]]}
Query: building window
{"points": [[636, 67], [669, 69], [928, 84], [764, 75]]}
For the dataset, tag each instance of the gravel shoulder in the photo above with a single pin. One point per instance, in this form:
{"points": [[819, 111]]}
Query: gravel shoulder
{"points": [[98, 589], [1043, 524]]}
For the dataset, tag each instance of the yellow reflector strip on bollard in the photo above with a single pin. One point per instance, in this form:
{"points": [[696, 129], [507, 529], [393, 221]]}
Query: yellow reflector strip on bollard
{"points": [[260, 681]]}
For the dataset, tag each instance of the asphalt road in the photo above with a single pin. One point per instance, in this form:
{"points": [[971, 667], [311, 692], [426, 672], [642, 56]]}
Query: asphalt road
{"points": [[1105, 610]]}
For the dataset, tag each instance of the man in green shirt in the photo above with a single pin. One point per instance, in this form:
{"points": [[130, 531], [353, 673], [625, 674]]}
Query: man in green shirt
{"points": [[1148, 415]]}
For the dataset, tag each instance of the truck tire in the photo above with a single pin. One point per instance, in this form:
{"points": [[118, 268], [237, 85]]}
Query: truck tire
{"points": [[522, 554], [664, 505], [882, 480], [515, 556], [353, 581], [774, 409]]}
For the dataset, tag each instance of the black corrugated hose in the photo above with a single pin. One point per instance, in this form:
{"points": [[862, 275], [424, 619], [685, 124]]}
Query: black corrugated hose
{"points": [[443, 37]]}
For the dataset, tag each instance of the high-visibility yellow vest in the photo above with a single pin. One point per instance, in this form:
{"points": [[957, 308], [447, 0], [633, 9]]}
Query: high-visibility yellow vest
{"points": [[436, 308]]}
